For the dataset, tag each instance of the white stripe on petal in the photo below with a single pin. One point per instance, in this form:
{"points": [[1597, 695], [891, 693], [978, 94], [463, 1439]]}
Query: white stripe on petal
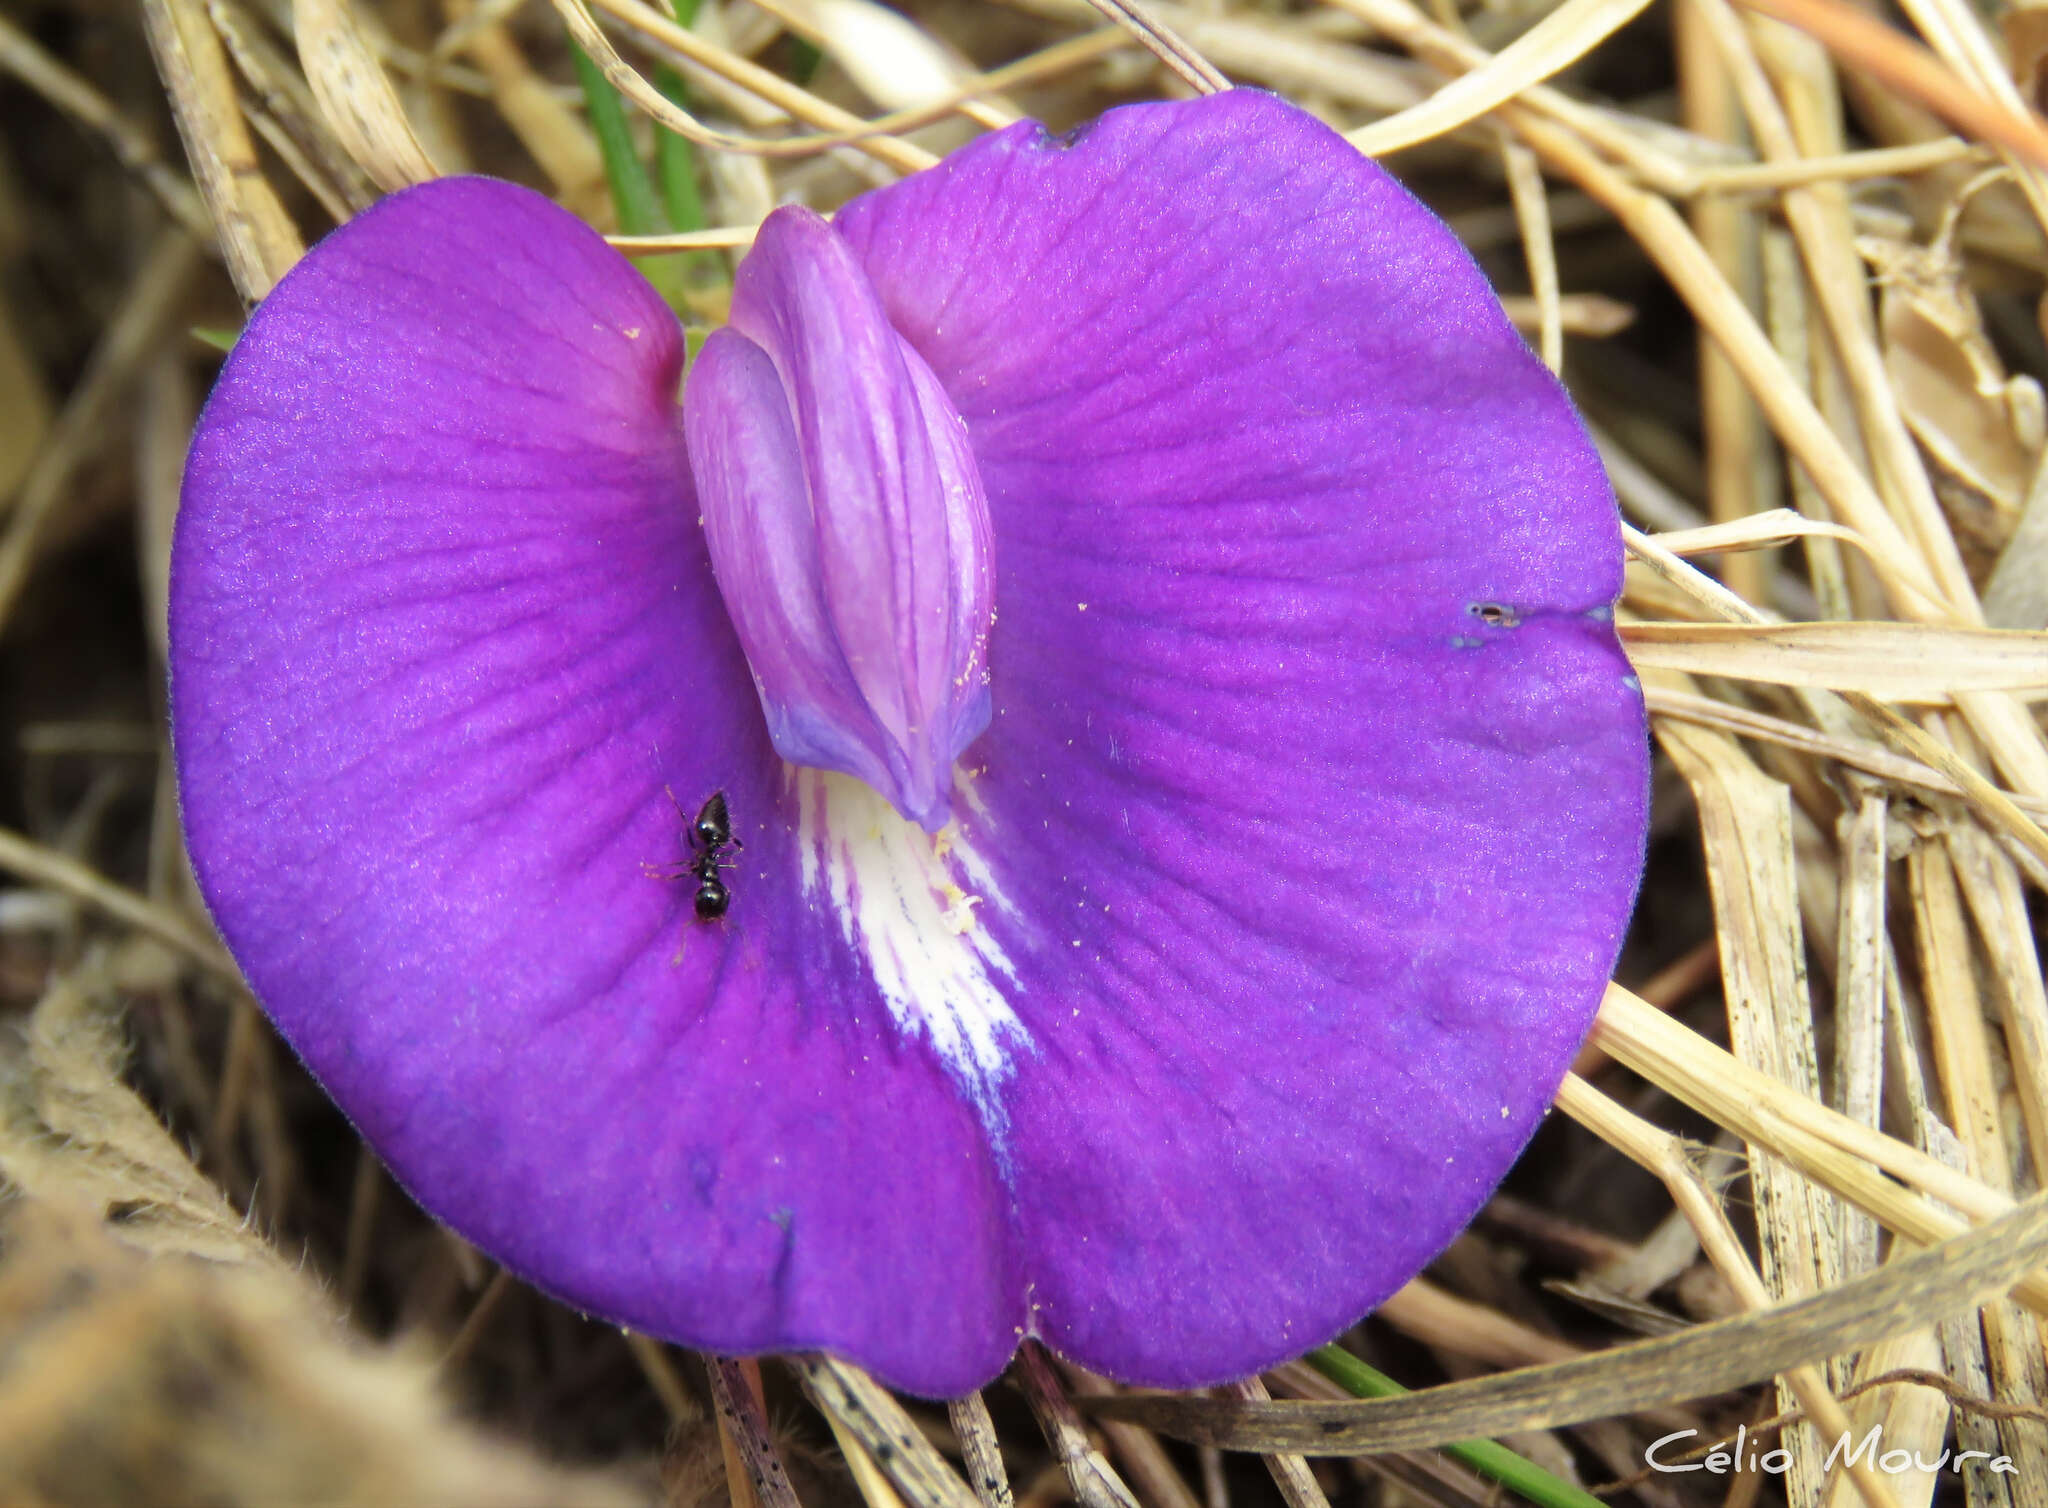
{"points": [[908, 902]]}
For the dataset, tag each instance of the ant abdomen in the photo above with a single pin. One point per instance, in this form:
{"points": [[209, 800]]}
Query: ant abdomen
{"points": [[712, 899]]}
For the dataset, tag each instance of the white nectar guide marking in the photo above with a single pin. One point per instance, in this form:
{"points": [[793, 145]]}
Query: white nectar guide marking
{"points": [[905, 902]]}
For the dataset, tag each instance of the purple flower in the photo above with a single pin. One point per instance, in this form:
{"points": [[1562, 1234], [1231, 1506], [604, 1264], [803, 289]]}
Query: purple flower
{"points": [[1172, 506]]}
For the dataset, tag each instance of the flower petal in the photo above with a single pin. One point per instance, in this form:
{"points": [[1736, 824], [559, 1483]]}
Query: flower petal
{"points": [[1315, 793], [443, 630], [1287, 870], [846, 522]]}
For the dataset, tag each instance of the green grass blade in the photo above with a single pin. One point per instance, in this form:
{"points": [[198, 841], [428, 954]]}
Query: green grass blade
{"points": [[804, 59], [640, 208], [640, 211], [675, 160]]}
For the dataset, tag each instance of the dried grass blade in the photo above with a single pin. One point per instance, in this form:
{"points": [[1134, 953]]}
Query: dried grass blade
{"points": [[1539, 249], [1297, 1484], [1962, 1335], [653, 1360], [1154, 1478], [1722, 1087], [1196, 71], [1590, 314], [2016, 596], [868, 1479], [288, 101], [1560, 39], [1732, 434], [167, 404], [1717, 601], [1998, 809], [1861, 954], [1291, 58], [1899, 662], [888, 56], [1821, 224], [1755, 531], [1991, 802], [1468, 1474], [257, 239], [843, 128], [1992, 888], [21, 56], [361, 107], [71, 1131], [152, 301], [716, 238], [743, 1428], [2011, 736], [476, 1321], [315, 178], [1456, 53], [1791, 412], [1909, 1418], [46, 866], [1094, 1481], [1964, 1061], [1661, 1153], [980, 1450], [843, 1392], [1438, 1318], [1709, 1358], [554, 135], [1746, 832], [1894, 60], [1048, 62], [1874, 162]]}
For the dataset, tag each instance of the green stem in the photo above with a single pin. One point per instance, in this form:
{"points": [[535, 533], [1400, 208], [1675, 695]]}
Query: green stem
{"points": [[1496, 1462], [804, 59], [675, 160], [640, 211], [640, 208]]}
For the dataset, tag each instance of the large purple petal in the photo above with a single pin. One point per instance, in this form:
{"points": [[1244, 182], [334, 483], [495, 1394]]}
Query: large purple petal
{"points": [[443, 630], [1315, 795]]}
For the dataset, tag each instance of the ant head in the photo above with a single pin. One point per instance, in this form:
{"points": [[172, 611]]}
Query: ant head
{"points": [[713, 826]]}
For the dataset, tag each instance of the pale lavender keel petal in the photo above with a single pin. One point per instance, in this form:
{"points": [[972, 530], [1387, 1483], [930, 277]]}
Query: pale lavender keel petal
{"points": [[846, 522], [1313, 804], [443, 632]]}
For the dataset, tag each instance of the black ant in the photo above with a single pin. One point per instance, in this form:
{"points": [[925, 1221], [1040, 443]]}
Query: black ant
{"points": [[708, 837]]}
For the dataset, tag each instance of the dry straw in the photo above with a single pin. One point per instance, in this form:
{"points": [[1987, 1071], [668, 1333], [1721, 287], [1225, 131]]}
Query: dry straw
{"points": [[1837, 536]]}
